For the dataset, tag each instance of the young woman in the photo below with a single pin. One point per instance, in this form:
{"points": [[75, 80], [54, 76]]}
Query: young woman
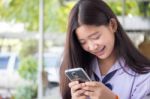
{"points": [[97, 43]]}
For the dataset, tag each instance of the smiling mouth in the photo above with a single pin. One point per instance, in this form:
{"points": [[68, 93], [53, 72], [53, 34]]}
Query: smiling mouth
{"points": [[100, 52]]}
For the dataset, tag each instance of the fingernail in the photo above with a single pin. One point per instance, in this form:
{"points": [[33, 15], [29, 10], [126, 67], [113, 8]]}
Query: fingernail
{"points": [[77, 82]]}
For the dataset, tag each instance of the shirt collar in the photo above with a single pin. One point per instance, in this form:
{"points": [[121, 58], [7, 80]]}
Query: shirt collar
{"points": [[117, 65]]}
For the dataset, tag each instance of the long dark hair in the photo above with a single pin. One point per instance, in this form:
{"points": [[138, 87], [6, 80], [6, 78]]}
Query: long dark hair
{"points": [[96, 12]]}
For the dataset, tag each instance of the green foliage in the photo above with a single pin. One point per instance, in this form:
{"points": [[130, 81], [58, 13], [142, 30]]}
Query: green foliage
{"points": [[56, 16], [63, 17], [28, 71], [27, 11], [26, 92], [116, 7], [131, 7], [28, 68], [145, 8], [29, 47], [56, 12]]}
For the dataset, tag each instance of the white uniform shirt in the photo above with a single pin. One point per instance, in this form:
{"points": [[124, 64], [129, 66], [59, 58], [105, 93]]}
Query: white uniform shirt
{"points": [[124, 84]]}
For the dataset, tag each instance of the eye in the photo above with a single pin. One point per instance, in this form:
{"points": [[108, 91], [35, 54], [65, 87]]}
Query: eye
{"points": [[82, 42]]}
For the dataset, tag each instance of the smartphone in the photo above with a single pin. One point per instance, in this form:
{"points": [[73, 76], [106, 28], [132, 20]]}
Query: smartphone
{"points": [[77, 74]]}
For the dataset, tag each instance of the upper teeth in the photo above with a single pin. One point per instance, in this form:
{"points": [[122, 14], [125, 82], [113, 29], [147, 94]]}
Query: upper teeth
{"points": [[101, 49]]}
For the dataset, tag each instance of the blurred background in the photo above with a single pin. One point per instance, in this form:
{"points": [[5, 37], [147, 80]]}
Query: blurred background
{"points": [[22, 25]]}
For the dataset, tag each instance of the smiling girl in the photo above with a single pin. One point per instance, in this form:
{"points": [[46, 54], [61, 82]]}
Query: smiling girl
{"points": [[97, 43]]}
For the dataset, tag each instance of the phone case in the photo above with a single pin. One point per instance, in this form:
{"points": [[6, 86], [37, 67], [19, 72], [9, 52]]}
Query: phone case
{"points": [[77, 74]]}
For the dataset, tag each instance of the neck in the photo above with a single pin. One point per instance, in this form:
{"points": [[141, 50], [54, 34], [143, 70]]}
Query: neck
{"points": [[106, 64]]}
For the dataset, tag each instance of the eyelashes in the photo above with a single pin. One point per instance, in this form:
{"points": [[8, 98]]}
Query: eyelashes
{"points": [[91, 38]]}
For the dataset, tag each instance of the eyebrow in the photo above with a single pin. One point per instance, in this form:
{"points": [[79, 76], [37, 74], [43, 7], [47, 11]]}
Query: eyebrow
{"points": [[95, 33]]}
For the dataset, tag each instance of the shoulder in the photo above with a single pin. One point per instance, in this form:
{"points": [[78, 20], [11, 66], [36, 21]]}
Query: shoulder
{"points": [[142, 84], [141, 78]]}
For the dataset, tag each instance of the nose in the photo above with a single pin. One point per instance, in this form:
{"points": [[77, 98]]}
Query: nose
{"points": [[92, 46]]}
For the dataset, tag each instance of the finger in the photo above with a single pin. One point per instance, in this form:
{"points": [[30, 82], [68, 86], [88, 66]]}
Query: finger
{"points": [[83, 84], [89, 93], [89, 88], [76, 87], [73, 83], [92, 83], [78, 93]]}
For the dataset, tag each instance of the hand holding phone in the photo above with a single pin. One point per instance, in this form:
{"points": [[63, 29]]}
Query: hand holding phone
{"points": [[77, 74]]}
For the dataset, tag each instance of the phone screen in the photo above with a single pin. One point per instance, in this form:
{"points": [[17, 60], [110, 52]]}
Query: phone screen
{"points": [[77, 74]]}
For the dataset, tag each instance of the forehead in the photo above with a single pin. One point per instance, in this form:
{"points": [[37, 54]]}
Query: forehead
{"points": [[86, 29]]}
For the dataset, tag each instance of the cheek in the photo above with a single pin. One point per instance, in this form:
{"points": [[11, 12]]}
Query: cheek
{"points": [[108, 40], [85, 47]]}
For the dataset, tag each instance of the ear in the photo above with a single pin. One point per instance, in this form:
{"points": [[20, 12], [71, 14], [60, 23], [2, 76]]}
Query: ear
{"points": [[113, 25]]}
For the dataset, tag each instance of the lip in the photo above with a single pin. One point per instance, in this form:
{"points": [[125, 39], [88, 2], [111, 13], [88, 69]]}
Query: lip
{"points": [[101, 52]]}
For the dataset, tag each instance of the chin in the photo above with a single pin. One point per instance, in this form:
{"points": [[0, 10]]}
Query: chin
{"points": [[102, 57]]}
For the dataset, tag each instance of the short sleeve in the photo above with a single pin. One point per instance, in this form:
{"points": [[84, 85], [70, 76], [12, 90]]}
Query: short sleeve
{"points": [[141, 88]]}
